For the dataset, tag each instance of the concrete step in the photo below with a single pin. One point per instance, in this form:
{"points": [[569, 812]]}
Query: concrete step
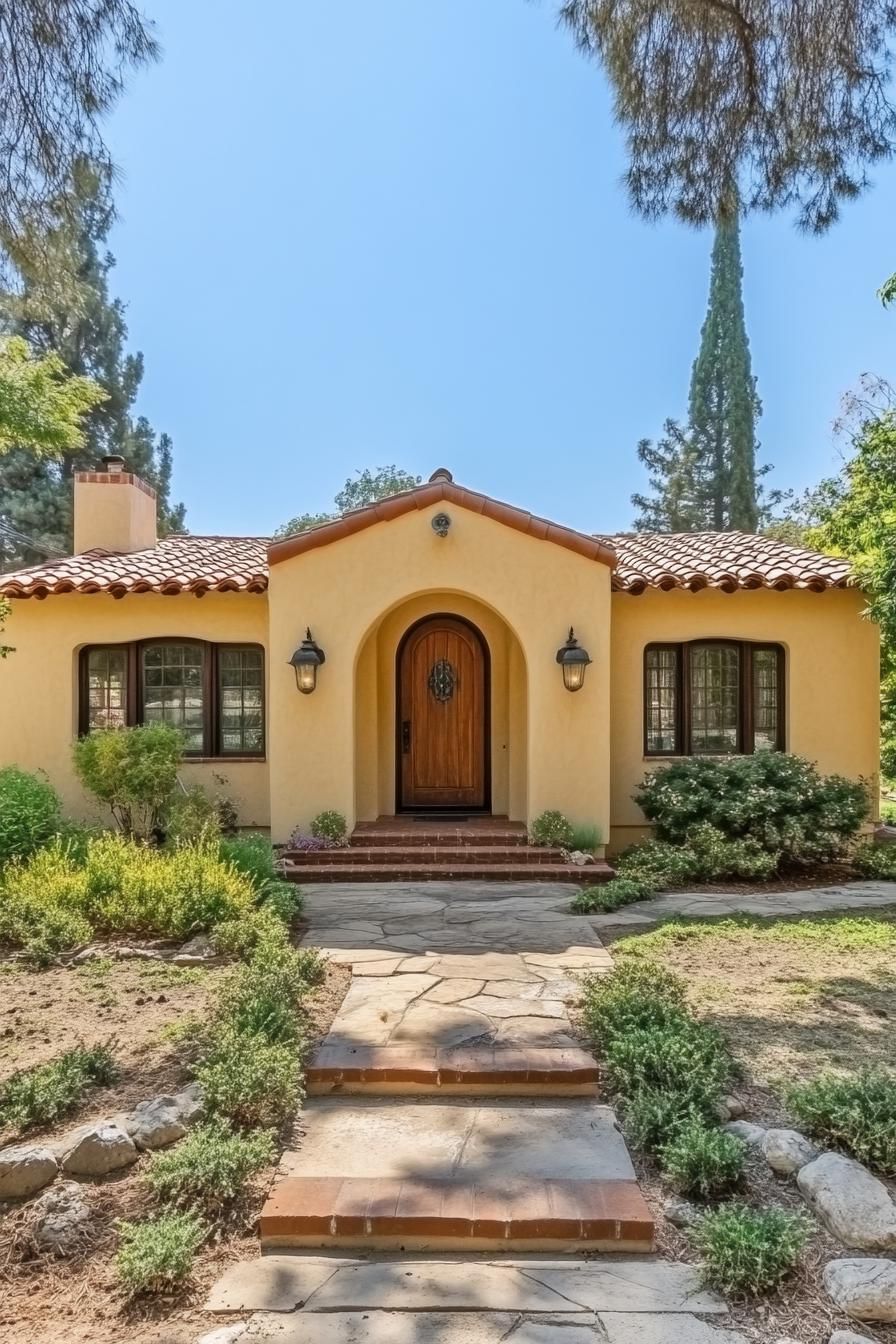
{"points": [[349, 1070], [348, 871], [386, 855]]}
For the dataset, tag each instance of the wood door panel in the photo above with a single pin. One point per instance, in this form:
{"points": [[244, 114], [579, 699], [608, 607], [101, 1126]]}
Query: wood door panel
{"points": [[442, 716]]}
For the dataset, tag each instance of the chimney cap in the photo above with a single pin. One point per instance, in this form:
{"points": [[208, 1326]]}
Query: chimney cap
{"points": [[113, 463], [441, 474]]}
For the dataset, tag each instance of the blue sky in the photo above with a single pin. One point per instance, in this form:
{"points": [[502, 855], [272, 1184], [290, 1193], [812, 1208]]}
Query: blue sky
{"points": [[355, 234]]}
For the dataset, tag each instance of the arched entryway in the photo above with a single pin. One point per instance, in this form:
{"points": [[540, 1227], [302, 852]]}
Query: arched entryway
{"points": [[442, 715]]}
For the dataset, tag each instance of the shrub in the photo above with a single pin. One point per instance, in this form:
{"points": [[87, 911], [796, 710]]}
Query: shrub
{"points": [[309, 844], [192, 818], [158, 1255], [703, 1162], [134, 771], [283, 899], [248, 1080], [705, 855], [330, 826], [857, 1114], [681, 1056], [634, 995], [29, 813], [552, 831], [44, 1094], [209, 1168], [653, 1119], [749, 1251], [41, 905], [874, 860], [777, 800], [611, 895], [585, 837], [262, 997], [253, 856]]}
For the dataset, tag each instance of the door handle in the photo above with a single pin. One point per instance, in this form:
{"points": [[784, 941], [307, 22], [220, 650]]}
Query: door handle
{"points": [[405, 736]]}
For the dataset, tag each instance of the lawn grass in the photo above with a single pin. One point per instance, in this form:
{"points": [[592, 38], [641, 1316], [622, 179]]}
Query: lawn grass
{"points": [[793, 996]]}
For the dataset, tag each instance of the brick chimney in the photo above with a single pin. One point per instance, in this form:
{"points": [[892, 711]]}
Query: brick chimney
{"points": [[114, 510]]}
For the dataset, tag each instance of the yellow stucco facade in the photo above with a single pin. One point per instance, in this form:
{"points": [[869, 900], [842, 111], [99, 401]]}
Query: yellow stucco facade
{"points": [[360, 592]]}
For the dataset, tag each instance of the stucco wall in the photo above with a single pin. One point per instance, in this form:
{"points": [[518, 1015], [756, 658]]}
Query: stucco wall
{"points": [[832, 706], [39, 682], [319, 744]]}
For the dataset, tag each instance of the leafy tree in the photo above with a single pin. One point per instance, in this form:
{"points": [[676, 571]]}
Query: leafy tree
{"points": [[4, 616], [705, 477], [365, 487], [887, 291], [65, 312], [64, 64], [786, 98], [42, 405]]}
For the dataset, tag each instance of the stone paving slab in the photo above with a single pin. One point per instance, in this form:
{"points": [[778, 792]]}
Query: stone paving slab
{"points": [[698, 904], [625, 1329]]}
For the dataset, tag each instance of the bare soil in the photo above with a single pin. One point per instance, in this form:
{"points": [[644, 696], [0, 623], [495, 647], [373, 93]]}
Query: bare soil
{"points": [[135, 1004]]}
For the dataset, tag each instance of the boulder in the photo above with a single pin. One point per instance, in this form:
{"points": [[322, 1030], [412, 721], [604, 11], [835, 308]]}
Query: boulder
{"points": [[580, 858], [742, 1129], [734, 1106], [189, 1102], [865, 1289], [787, 1151], [197, 952], [60, 1220], [851, 1203], [156, 1123], [680, 1212], [95, 1150], [25, 1169], [848, 1337]]}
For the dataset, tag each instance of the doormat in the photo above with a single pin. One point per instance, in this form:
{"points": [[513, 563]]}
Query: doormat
{"points": [[441, 816]]}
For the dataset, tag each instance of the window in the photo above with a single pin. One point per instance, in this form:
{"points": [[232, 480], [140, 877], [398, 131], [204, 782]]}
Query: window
{"points": [[713, 697], [213, 693]]}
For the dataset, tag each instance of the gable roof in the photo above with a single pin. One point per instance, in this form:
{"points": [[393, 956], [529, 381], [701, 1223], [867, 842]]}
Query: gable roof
{"points": [[438, 489]]}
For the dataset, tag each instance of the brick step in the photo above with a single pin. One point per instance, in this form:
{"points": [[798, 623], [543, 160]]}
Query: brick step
{"points": [[426, 836], [446, 872], [421, 1214], [471, 1071], [427, 854]]}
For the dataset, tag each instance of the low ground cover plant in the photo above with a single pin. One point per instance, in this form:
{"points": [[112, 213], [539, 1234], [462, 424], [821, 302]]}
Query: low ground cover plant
{"points": [[209, 1169], [857, 1114], [552, 830], [749, 1251], [157, 1255], [29, 813], [44, 1094], [701, 1162], [876, 861]]}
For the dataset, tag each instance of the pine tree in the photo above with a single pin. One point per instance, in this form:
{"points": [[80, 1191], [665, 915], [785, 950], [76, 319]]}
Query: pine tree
{"points": [[77, 318], [723, 405]]}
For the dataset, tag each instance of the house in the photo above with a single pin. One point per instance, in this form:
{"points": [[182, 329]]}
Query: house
{"points": [[404, 658]]}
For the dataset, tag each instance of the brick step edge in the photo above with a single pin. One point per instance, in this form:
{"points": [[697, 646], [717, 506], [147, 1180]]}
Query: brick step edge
{"points": [[421, 836], [442, 872], [426, 854], [542, 1069], [325, 1210]]}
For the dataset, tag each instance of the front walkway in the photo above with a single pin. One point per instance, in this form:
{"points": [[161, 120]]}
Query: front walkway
{"points": [[850, 896]]}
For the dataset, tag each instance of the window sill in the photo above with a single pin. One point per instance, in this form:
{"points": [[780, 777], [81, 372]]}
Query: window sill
{"points": [[225, 760]]}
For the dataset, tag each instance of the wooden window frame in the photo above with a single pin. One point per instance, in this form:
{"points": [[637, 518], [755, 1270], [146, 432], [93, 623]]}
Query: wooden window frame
{"points": [[211, 718], [745, 718]]}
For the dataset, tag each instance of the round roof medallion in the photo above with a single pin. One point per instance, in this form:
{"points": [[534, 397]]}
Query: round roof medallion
{"points": [[441, 474]]}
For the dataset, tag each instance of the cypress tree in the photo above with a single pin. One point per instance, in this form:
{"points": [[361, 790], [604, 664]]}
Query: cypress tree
{"points": [[62, 303]]}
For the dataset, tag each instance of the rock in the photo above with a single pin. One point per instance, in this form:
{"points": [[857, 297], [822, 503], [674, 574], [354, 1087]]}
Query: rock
{"points": [[25, 1169], [742, 1129], [225, 1334], [61, 1219], [156, 1123], [580, 858], [681, 1213], [128, 953], [734, 1106], [787, 1151], [197, 952], [851, 1203], [189, 1102], [95, 952], [95, 1150], [864, 1288], [848, 1337]]}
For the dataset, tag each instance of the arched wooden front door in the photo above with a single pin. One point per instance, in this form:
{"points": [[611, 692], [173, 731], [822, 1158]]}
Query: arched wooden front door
{"points": [[442, 716]]}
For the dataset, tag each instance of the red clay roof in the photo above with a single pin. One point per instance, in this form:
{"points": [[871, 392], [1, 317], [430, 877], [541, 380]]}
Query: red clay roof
{"points": [[723, 560], [441, 488]]}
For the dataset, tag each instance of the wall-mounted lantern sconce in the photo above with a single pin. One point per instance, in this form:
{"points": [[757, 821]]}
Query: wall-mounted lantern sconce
{"points": [[573, 660], [440, 524], [306, 660]]}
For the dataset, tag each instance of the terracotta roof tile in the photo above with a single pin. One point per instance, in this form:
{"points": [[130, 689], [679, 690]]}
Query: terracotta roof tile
{"points": [[723, 560]]}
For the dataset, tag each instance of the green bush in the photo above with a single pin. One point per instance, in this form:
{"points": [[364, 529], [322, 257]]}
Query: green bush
{"points": [[249, 1080], [44, 1094], [192, 818], [653, 1119], [610, 896], [58, 898], [586, 837], [252, 855], [330, 826], [283, 899], [876, 861], [209, 1168], [29, 813], [681, 1056], [705, 855], [262, 997], [634, 995], [749, 1251], [857, 1114], [777, 800], [133, 771], [552, 831], [157, 1255], [703, 1162]]}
